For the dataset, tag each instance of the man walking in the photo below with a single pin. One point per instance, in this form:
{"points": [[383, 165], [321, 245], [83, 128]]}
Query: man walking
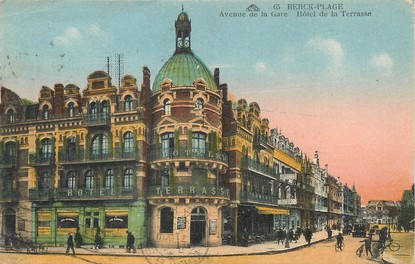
{"points": [[368, 245], [70, 244]]}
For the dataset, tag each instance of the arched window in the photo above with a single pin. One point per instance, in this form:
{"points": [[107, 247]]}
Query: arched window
{"points": [[128, 142], [71, 180], [71, 148], [99, 146], [199, 103], [128, 178], [104, 107], [44, 181], [93, 109], [71, 109], [45, 112], [243, 121], [89, 180], [11, 149], [166, 220], [128, 103], [46, 148], [10, 116], [166, 107], [199, 141], [109, 179]]}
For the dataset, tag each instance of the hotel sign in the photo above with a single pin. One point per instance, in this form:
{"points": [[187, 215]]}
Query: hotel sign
{"points": [[190, 190]]}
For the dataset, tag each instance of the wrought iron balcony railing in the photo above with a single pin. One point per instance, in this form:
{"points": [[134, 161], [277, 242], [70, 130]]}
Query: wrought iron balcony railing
{"points": [[185, 153], [260, 141], [252, 165], [8, 161], [42, 159], [112, 155], [255, 197], [97, 119], [189, 190]]}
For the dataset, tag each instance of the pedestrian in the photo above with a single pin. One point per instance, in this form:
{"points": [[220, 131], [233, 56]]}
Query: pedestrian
{"points": [[130, 242], [291, 235], [382, 236], [308, 235], [339, 239], [70, 244], [329, 233], [368, 245]]}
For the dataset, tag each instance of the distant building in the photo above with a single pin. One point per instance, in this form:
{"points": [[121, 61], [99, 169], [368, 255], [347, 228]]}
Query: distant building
{"points": [[381, 212]]}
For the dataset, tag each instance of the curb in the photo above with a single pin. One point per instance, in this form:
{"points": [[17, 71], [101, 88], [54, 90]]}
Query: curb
{"points": [[269, 252]]}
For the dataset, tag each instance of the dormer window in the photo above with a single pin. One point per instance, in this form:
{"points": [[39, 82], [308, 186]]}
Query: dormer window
{"points": [[199, 103], [166, 107], [71, 109], [10, 116], [128, 104], [45, 112]]}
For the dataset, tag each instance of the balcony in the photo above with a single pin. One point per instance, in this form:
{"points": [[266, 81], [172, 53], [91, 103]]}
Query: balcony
{"points": [[117, 154], [94, 120], [44, 159], [8, 195], [260, 142], [259, 198], [8, 162], [186, 190], [288, 176], [94, 193], [252, 165], [160, 157], [40, 194], [320, 208]]}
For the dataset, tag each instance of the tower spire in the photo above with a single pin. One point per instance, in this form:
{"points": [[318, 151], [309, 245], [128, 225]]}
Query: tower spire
{"points": [[183, 28]]}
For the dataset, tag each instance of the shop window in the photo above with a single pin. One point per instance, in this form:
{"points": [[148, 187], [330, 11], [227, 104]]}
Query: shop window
{"points": [[116, 221], [128, 104], [166, 220], [166, 107], [67, 221]]}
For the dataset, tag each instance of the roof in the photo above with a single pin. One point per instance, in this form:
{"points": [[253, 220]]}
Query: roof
{"points": [[183, 69]]}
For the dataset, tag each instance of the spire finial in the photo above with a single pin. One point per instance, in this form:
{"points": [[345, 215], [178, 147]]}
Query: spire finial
{"points": [[182, 8]]}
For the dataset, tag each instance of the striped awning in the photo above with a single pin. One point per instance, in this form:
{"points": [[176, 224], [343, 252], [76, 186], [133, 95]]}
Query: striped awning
{"points": [[272, 210]]}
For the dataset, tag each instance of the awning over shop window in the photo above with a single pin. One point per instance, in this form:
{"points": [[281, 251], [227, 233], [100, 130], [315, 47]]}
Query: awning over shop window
{"points": [[114, 213], [271, 210]]}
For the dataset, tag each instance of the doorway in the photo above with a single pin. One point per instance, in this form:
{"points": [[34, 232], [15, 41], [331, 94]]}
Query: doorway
{"points": [[198, 227], [9, 222]]}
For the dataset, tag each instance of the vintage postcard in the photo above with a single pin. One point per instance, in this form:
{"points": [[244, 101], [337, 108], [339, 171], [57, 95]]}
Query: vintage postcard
{"points": [[207, 131]]}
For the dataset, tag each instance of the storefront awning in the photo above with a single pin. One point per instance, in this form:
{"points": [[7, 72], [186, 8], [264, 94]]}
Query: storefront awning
{"points": [[271, 210]]}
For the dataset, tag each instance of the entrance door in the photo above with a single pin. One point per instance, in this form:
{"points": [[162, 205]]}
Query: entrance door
{"points": [[91, 225], [9, 222], [198, 227]]}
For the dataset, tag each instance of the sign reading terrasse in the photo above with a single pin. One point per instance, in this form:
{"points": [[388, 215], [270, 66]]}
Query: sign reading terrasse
{"points": [[190, 190]]}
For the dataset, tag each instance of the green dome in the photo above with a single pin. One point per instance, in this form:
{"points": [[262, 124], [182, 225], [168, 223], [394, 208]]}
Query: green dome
{"points": [[183, 69]]}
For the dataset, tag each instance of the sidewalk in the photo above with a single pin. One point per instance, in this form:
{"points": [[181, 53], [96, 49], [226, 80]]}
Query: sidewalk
{"points": [[226, 250]]}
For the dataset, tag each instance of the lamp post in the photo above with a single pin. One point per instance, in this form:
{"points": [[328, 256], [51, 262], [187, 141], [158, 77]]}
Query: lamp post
{"points": [[287, 241]]}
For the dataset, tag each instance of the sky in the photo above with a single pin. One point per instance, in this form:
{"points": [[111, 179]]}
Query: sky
{"points": [[340, 85]]}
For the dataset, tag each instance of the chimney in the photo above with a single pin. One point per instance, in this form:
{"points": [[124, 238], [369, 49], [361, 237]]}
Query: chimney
{"points": [[216, 76], [224, 88], [59, 104]]}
